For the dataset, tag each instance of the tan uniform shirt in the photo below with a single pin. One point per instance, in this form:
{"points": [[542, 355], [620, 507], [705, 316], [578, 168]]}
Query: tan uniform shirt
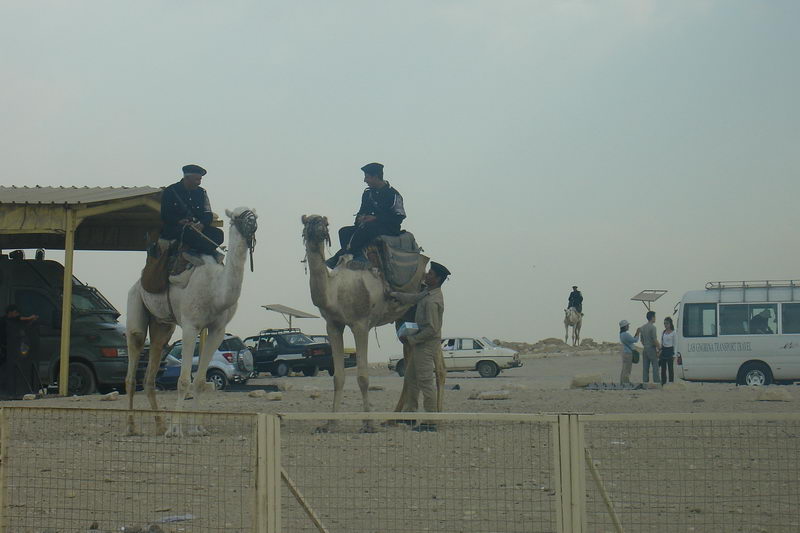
{"points": [[429, 318]]}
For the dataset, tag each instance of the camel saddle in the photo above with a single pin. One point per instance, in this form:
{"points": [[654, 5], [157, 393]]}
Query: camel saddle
{"points": [[168, 264], [399, 259]]}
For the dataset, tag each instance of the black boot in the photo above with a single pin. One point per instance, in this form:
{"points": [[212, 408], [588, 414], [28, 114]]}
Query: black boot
{"points": [[334, 259]]}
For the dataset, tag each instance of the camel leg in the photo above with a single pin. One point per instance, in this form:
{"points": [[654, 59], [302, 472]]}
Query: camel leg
{"points": [[336, 339], [189, 339], [438, 363], [361, 334], [216, 333], [566, 331], [159, 336], [136, 327]]}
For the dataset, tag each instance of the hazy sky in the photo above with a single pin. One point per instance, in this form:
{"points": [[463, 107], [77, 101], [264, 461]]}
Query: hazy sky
{"points": [[618, 145]]}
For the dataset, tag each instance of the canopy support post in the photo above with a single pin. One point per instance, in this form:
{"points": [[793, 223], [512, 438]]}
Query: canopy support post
{"points": [[66, 302]]}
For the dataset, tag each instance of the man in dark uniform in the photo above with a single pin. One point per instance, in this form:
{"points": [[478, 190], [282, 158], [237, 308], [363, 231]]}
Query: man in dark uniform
{"points": [[16, 369], [575, 299], [381, 213], [186, 213]]}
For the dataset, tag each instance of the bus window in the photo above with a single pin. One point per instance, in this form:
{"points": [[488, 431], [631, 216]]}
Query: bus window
{"points": [[734, 319], [763, 319], [700, 320], [791, 318]]}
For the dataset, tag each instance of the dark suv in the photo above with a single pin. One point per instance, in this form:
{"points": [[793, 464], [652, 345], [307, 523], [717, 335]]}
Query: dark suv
{"points": [[280, 351]]}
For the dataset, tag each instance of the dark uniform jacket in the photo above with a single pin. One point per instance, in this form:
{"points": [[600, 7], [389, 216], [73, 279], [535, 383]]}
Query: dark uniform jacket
{"points": [[575, 300], [177, 203], [385, 204]]}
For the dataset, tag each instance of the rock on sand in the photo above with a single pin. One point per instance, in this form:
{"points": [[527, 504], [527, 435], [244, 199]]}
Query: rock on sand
{"points": [[774, 394], [581, 380]]}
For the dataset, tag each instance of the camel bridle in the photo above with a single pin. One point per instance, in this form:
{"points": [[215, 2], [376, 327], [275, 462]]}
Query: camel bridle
{"points": [[316, 229], [246, 223]]}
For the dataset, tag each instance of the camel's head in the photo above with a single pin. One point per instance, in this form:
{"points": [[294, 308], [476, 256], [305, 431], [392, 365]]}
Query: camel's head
{"points": [[315, 229], [245, 221]]}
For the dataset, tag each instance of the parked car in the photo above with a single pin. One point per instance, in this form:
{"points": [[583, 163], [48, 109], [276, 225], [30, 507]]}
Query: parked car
{"points": [[232, 362], [280, 351], [349, 352], [470, 353]]}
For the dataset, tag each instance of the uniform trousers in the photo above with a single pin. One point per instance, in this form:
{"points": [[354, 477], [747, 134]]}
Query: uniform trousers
{"points": [[193, 240], [420, 377], [354, 238]]}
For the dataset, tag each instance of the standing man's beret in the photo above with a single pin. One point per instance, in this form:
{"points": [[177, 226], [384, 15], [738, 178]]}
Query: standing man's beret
{"points": [[440, 270]]}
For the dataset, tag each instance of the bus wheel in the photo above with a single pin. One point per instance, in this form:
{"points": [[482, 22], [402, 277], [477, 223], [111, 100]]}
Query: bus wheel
{"points": [[755, 374]]}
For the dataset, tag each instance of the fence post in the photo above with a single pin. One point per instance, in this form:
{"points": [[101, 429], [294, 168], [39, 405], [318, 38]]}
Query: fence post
{"points": [[268, 474], [571, 516]]}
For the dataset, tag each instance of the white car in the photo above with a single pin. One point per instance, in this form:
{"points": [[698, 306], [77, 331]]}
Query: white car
{"points": [[470, 353]]}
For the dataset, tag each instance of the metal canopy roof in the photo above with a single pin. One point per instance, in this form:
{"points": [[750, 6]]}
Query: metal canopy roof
{"points": [[70, 195], [288, 312], [103, 218]]}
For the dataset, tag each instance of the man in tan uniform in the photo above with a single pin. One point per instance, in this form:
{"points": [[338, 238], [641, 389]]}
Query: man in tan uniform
{"points": [[426, 344]]}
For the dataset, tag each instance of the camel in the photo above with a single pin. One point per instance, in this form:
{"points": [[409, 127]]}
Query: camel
{"points": [[208, 300], [357, 299], [575, 319]]}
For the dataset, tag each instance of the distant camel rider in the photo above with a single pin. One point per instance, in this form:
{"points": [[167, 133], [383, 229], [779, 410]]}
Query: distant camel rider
{"points": [[186, 214], [381, 213], [575, 299]]}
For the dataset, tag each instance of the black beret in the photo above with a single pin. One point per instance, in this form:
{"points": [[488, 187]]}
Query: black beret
{"points": [[194, 169], [373, 169], [440, 270]]}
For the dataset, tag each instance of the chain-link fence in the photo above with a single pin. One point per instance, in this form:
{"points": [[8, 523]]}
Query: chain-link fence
{"points": [[70, 470], [65, 470], [474, 473], [703, 473]]}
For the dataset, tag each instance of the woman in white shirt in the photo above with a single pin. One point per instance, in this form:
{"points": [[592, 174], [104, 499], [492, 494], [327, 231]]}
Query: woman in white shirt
{"points": [[667, 354]]}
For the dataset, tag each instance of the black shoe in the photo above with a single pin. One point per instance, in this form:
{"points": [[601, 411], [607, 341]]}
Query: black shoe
{"points": [[424, 427]]}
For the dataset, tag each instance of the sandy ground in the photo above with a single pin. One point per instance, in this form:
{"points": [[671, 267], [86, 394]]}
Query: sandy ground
{"points": [[662, 476], [541, 385]]}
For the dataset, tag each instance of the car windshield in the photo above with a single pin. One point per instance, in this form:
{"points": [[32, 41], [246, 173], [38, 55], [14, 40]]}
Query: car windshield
{"points": [[487, 342], [297, 338], [88, 300]]}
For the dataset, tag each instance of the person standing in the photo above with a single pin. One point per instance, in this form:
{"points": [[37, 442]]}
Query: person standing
{"points": [[425, 344], [650, 346], [186, 214], [627, 341], [16, 369], [575, 300], [381, 213], [666, 356]]}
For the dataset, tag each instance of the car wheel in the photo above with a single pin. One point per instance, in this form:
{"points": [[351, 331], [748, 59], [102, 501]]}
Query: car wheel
{"points": [[487, 369], [81, 380], [755, 374], [218, 378], [400, 368], [281, 370], [311, 372]]}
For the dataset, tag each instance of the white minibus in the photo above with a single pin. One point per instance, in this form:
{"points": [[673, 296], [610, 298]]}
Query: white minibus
{"points": [[743, 331]]}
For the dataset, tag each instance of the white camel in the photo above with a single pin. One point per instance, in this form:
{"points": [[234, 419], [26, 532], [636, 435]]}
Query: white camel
{"points": [[353, 298], [574, 319], [208, 301]]}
